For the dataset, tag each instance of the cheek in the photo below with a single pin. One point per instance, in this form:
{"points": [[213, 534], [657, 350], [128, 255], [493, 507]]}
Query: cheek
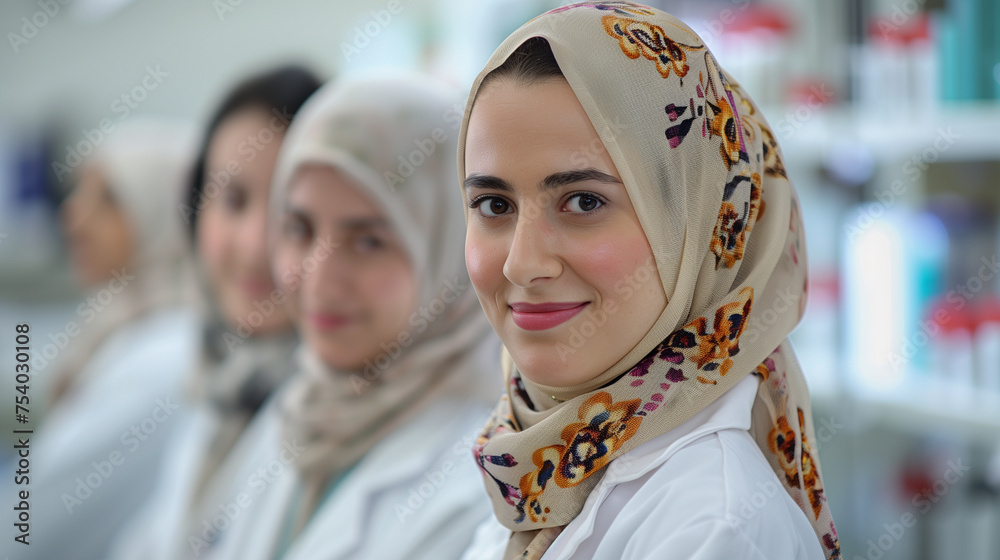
{"points": [[391, 291], [122, 240], [611, 262], [286, 277], [214, 243], [484, 258]]}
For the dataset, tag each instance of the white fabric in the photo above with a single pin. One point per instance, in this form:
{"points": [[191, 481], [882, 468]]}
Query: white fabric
{"points": [[136, 379], [733, 504], [159, 530], [375, 511]]}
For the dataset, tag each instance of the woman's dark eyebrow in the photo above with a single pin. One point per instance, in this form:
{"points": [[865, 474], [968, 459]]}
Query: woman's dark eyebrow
{"points": [[297, 213], [351, 224], [480, 181], [568, 177], [553, 181], [356, 224]]}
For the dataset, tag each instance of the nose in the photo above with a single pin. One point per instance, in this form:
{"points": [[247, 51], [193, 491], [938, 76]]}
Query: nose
{"points": [[532, 257], [327, 272]]}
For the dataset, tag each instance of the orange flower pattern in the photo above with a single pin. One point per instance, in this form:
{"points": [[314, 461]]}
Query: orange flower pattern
{"points": [[774, 165], [638, 38], [714, 104], [588, 447], [724, 124], [734, 224], [604, 426], [797, 461]]}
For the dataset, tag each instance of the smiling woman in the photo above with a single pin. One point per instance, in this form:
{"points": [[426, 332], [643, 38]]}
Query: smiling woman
{"points": [[616, 180], [364, 294], [547, 241]]}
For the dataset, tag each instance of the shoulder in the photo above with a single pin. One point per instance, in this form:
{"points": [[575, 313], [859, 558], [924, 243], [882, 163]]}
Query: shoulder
{"points": [[173, 329], [162, 340], [712, 476], [419, 484], [714, 496]]}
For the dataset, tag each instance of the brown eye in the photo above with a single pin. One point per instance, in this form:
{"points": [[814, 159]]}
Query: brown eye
{"points": [[296, 229], [491, 206], [234, 198], [583, 203], [367, 243]]}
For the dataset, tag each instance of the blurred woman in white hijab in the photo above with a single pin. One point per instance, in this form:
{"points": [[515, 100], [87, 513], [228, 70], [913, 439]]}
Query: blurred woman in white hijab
{"points": [[118, 387], [365, 454]]}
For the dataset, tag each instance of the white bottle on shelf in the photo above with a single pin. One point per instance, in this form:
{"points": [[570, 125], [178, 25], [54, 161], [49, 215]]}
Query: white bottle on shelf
{"points": [[987, 356]]}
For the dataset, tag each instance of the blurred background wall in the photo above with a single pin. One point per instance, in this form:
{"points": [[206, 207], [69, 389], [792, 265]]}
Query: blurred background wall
{"points": [[888, 112]]}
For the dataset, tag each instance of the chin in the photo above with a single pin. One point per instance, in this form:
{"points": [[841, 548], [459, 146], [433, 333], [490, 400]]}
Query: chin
{"points": [[334, 354], [546, 367]]}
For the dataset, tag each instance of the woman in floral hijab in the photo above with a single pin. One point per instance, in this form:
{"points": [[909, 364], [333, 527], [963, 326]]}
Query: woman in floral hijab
{"points": [[637, 245]]}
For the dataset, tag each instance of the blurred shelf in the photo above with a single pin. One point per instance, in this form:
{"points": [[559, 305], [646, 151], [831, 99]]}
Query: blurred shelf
{"points": [[959, 132], [922, 407]]}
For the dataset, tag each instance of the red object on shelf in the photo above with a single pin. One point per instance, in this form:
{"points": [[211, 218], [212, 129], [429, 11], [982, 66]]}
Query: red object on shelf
{"points": [[915, 480], [987, 310], [762, 18], [811, 92], [890, 29], [947, 316]]}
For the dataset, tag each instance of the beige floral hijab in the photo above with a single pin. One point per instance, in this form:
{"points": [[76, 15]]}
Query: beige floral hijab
{"points": [[706, 178]]}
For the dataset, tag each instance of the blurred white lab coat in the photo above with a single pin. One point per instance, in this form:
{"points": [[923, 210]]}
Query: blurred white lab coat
{"points": [[96, 457], [159, 530], [417, 494], [702, 491]]}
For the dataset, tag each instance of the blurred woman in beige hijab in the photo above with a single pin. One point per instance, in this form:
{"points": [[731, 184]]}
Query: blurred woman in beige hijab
{"points": [[364, 455], [119, 381]]}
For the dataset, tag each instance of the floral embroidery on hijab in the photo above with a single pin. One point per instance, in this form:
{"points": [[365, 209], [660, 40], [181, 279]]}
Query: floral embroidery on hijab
{"points": [[802, 473], [641, 38], [623, 8], [773, 164], [589, 447], [734, 224]]}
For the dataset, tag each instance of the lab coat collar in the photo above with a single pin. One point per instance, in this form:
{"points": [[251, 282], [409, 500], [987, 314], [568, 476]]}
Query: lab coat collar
{"points": [[730, 411]]}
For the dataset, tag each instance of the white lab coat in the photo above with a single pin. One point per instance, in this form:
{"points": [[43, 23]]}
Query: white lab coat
{"points": [[159, 531], [702, 491], [89, 470], [417, 494]]}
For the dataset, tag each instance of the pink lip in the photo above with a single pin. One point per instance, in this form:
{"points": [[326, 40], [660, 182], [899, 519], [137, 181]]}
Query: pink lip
{"points": [[328, 321], [542, 316]]}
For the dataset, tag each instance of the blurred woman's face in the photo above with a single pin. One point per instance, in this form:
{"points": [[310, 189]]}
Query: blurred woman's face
{"points": [[232, 224], [350, 282], [98, 232], [554, 247]]}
